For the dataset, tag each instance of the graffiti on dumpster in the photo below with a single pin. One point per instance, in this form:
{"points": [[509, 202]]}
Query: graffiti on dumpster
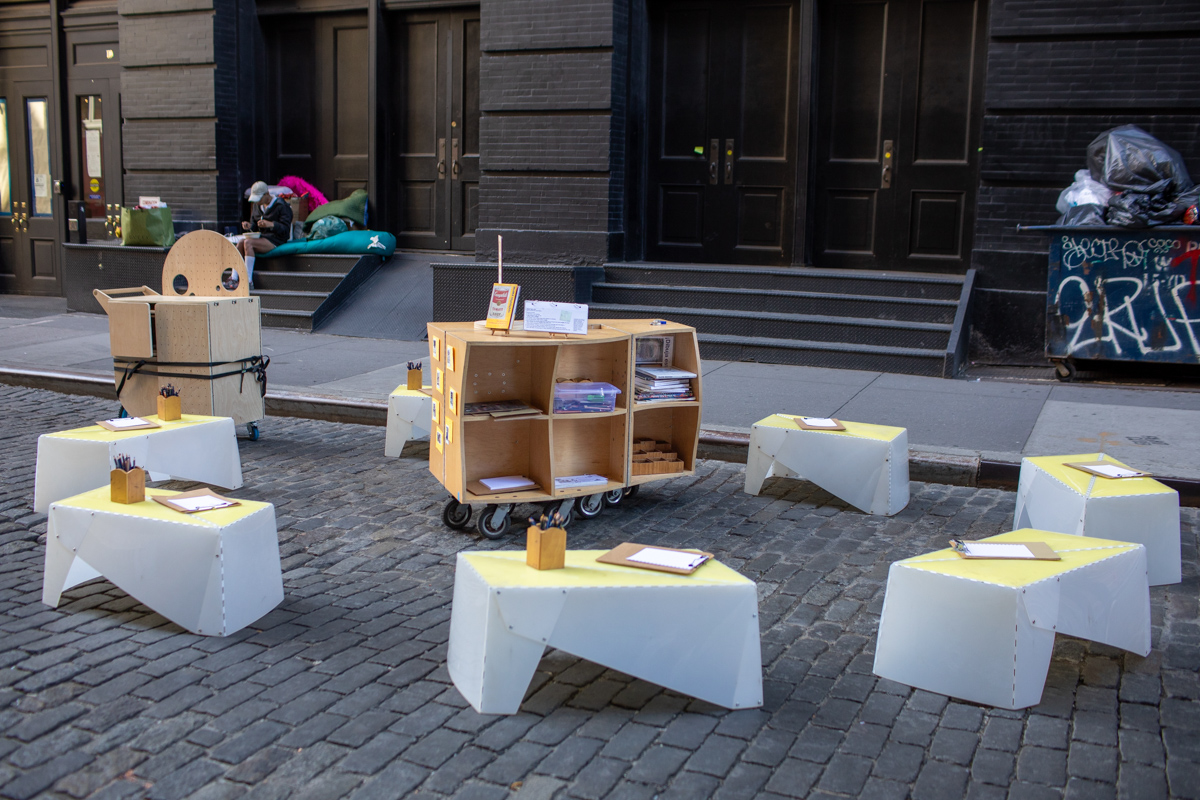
{"points": [[1125, 296]]}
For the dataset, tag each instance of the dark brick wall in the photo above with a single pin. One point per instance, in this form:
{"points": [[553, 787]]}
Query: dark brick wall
{"points": [[1059, 72], [183, 87], [549, 110]]}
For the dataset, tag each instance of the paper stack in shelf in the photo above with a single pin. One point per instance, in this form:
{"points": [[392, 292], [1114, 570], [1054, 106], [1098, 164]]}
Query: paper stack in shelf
{"points": [[662, 384]]}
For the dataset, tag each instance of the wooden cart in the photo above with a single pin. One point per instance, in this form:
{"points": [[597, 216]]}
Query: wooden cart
{"points": [[471, 365], [202, 335]]}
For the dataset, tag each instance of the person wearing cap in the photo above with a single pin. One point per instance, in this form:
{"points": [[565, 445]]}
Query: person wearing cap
{"points": [[270, 217]]}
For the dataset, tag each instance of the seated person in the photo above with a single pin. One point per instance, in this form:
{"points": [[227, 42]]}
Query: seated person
{"points": [[270, 217]]}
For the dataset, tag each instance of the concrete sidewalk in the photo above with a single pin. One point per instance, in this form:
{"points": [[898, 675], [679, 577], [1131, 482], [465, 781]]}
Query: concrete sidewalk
{"points": [[957, 428]]}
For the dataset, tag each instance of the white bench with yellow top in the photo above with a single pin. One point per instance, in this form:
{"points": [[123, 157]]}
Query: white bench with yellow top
{"points": [[696, 634], [982, 630], [1054, 497], [865, 465], [192, 448], [212, 572]]}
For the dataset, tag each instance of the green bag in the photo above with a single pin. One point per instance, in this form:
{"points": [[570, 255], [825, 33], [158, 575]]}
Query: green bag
{"points": [[151, 227]]}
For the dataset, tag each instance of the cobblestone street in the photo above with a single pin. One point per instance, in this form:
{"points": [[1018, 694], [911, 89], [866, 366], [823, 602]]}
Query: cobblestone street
{"points": [[343, 691]]}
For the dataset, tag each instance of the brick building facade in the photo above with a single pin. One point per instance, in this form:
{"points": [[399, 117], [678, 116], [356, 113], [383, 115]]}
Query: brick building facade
{"points": [[552, 122]]}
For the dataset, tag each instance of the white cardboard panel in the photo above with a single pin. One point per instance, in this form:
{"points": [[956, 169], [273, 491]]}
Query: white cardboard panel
{"points": [[408, 418]]}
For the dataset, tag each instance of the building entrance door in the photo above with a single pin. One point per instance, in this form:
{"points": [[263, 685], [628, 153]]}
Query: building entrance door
{"points": [[897, 161], [318, 100], [723, 125], [433, 129], [29, 221]]}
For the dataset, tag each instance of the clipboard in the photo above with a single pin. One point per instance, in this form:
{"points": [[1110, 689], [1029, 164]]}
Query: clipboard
{"points": [[169, 502], [1089, 467], [620, 554], [145, 424], [1041, 552], [804, 426]]}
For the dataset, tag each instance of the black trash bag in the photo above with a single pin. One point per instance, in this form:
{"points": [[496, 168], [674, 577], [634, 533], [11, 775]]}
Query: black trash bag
{"points": [[1086, 214], [1138, 210], [1127, 158]]}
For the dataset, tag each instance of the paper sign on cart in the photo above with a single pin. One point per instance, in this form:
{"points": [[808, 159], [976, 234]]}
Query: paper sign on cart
{"points": [[1107, 469], [542, 315], [127, 424]]}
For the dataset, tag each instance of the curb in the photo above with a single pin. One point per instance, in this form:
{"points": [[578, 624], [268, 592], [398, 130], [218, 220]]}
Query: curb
{"points": [[731, 446]]}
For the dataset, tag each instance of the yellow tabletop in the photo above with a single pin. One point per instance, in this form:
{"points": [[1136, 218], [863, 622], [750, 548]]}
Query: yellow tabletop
{"points": [[1075, 551], [504, 568], [95, 433], [404, 391], [1092, 485], [99, 500], [860, 430]]}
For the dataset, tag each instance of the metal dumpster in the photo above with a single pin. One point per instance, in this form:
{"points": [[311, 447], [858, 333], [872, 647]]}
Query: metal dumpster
{"points": [[1117, 294]]}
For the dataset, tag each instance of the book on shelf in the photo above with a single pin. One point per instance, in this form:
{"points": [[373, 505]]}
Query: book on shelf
{"points": [[499, 408], [662, 373], [655, 351], [660, 397], [502, 305]]}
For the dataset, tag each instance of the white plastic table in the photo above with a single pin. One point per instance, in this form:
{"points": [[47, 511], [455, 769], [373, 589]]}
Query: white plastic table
{"points": [[696, 634], [213, 572], [410, 416], [1055, 497], [865, 465], [194, 448], [983, 630]]}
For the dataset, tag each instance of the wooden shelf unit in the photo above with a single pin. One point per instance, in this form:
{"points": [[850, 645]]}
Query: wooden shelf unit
{"points": [[525, 366]]}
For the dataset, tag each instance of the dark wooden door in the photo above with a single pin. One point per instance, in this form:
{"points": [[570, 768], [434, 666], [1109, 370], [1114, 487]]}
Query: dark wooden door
{"points": [[722, 137], [29, 208], [898, 109], [433, 129], [319, 107]]}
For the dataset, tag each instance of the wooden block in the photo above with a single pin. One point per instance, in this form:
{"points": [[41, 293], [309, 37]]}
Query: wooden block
{"points": [[546, 549], [414, 379], [169, 408], [127, 487]]}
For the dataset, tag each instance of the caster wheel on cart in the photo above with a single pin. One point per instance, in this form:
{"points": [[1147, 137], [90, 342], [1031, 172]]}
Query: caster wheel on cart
{"points": [[1064, 370], [632, 491], [456, 515], [566, 512], [614, 497], [252, 429], [493, 522], [590, 505]]}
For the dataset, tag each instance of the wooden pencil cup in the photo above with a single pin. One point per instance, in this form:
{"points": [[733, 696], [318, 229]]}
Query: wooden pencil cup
{"points": [[546, 549], [414, 379], [127, 487], [169, 408]]}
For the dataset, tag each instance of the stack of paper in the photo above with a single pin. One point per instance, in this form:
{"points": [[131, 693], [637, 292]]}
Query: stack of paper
{"points": [[507, 483], [577, 481], [668, 558]]}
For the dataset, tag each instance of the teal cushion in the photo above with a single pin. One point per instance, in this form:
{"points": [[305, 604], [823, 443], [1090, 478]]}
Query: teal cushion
{"points": [[363, 243], [353, 208]]}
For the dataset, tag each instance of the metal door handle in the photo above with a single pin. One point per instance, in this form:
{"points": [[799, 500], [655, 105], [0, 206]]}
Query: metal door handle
{"points": [[729, 160], [441, 167], [714, 155], [885, 179], [455, 168]]}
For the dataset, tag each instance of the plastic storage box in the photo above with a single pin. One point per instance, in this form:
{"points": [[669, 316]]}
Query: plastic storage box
{"points": [[584, 397]]}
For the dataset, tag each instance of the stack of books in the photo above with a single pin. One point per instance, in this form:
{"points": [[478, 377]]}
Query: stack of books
{"points": [[662, 384]]}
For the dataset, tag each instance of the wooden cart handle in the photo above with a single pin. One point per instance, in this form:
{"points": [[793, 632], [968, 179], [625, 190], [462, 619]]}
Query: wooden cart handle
{"points": [[102, 296]]}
